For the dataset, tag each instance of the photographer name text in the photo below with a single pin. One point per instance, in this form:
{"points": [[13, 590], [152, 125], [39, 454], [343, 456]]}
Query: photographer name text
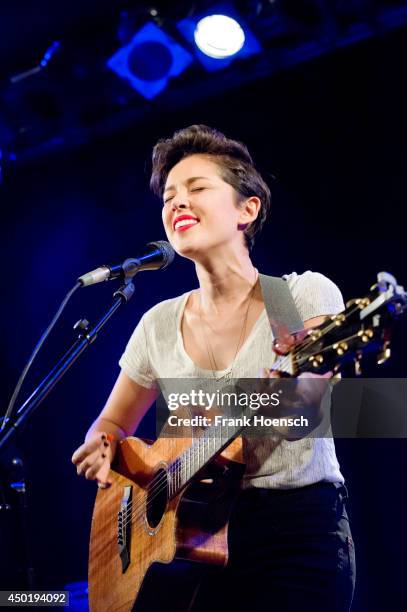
{"points": [[241, 421]]}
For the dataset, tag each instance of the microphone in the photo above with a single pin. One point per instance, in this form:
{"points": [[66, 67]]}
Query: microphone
{"points": [[155, 256]]}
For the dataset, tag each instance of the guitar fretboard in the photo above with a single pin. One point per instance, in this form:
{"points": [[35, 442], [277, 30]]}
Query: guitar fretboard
{"points": [[204, 448]]}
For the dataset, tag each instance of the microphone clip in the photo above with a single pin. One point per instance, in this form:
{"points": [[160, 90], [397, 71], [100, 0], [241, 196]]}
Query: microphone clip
{"points": [[130, 267]]}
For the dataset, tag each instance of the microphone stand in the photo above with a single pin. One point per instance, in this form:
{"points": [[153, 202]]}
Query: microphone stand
{"points": [[86, 336]]}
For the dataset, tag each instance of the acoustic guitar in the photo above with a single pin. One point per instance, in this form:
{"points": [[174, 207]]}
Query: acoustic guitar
{"points": [[172, 498]]}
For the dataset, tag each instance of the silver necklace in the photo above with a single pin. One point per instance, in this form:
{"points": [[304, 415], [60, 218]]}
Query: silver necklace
{"points": [[211, 356]]}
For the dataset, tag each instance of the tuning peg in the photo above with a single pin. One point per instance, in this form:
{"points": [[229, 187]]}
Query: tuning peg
{"points": [[316, 360], [338, 319], [360, 302], [357, 363], [365, 334], [340, 348], [385, 354]]}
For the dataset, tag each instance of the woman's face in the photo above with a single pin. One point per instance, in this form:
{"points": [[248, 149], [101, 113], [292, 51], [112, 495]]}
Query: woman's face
{"points": [[200, 210]]}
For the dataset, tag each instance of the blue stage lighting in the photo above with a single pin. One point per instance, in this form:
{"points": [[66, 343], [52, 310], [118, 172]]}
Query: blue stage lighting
{"points": [[150, 60], [216, 48]]}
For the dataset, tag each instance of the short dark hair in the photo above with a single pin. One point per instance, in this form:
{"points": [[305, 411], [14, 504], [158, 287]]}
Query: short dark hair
{"points": [[234, 161]]}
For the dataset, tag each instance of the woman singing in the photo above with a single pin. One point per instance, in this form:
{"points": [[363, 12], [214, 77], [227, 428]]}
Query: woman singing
{"points": [[289, 538]]}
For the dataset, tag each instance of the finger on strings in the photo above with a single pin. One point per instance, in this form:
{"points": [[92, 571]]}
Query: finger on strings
{"points": [[269, 373]]}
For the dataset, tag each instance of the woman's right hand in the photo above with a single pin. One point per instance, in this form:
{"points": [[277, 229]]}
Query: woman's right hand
{"points": [[93, 458]]}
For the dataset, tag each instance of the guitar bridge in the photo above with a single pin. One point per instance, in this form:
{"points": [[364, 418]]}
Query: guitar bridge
{"points": [[124, 521]]}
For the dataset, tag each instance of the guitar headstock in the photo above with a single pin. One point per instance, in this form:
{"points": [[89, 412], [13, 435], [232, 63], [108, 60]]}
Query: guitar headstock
{"points": [[364, 326]]}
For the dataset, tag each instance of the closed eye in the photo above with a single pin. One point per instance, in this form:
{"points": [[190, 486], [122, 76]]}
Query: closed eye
{"points": [[195, 189]]}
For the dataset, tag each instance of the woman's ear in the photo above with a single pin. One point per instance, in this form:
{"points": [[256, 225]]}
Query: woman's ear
{"points": [[248, 211]]}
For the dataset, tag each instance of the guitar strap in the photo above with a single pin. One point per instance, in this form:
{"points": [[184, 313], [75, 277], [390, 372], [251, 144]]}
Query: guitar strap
{"points": [[280, 306]]}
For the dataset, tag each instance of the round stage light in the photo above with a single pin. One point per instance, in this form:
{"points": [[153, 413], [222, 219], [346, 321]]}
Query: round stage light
{"points": [[219, 36], [149, 60]]}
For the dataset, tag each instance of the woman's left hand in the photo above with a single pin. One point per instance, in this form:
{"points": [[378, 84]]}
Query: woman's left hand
{"points": [[300, 397]]}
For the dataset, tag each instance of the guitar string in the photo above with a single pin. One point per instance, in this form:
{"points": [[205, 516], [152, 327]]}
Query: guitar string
{"points": [[156, 488], [328, 347]]}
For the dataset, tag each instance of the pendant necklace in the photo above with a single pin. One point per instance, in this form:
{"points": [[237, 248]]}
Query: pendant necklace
{"points": [[211, 356]]}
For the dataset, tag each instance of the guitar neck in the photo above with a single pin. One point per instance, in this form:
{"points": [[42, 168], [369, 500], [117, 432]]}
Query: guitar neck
{"points": [[204, 448], [363, 327]]}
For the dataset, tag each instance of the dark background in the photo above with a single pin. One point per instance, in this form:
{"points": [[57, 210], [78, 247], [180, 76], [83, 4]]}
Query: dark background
{"points": [[329, 136]]}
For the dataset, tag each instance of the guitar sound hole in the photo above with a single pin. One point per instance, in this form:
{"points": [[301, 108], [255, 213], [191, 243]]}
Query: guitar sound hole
{"points": [[157, 498]]}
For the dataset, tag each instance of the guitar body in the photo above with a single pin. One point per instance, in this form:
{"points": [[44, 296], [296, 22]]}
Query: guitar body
{"points": [[151, 528]]}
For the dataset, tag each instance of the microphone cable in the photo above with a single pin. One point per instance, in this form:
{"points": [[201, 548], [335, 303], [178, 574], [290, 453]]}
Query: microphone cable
{"points": [[35, 352]]}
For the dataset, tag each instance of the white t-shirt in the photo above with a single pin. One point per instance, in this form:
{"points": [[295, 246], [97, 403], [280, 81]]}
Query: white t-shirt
{"points": [[156, 351]]}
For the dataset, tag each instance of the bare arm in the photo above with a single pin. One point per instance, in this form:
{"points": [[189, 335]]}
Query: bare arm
{"points": [[126, 406], [122, 414]]}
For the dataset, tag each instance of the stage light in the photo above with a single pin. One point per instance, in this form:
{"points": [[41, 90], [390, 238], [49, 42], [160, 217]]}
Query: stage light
{"points": [[216, 46], [219, 36], [150, 60]]}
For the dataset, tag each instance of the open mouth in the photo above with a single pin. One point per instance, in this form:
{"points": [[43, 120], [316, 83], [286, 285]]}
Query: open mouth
{"points": [[184, 224]]}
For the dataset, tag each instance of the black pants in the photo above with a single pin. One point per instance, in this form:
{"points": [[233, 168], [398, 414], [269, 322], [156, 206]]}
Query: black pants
{"points": [[289, 550]]}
